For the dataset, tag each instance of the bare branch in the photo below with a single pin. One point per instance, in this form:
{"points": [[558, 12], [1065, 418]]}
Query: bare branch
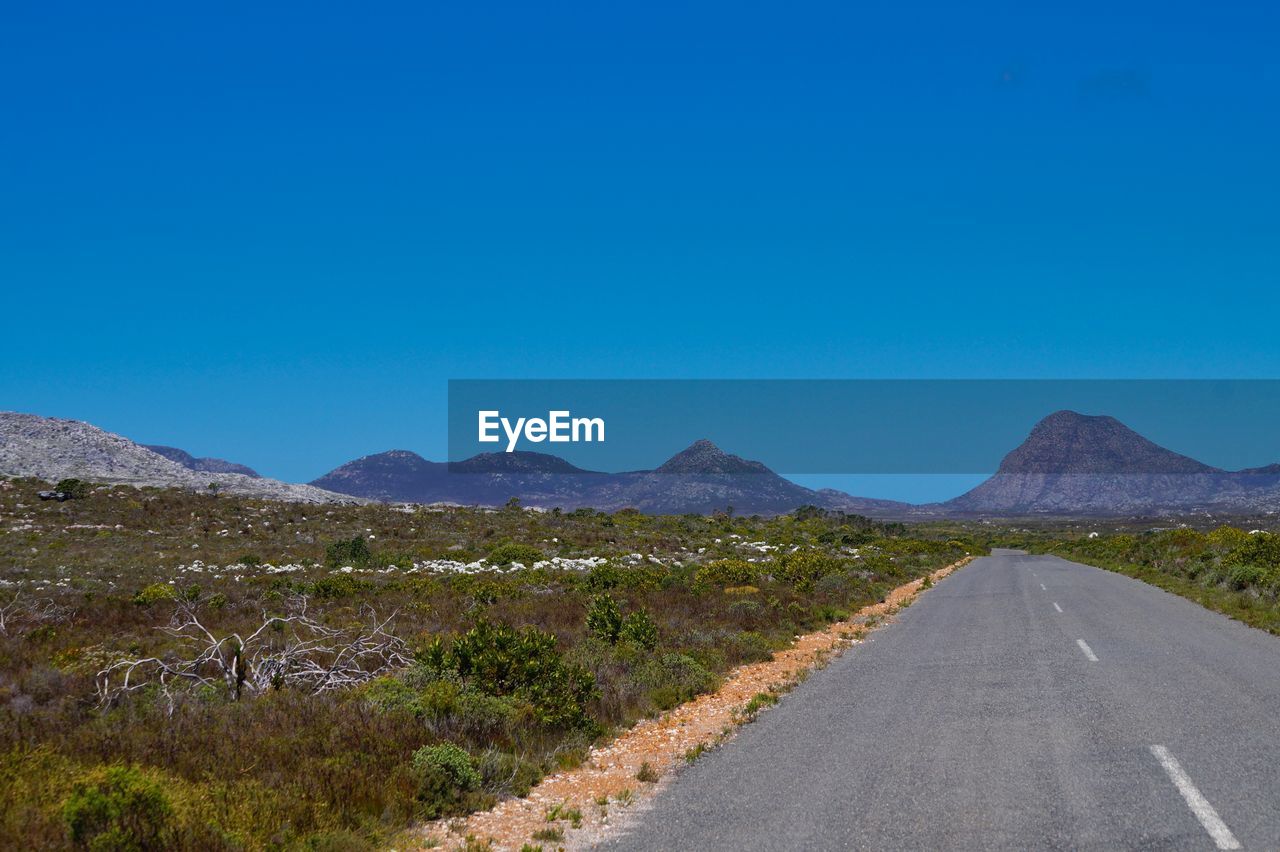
{"points": [[293, 651], [20, 613]]}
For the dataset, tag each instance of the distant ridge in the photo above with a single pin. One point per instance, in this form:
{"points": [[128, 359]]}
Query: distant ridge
{"points": [[1070, 465], [386, 477], [700, 479], [204, 465], [515, 462]]}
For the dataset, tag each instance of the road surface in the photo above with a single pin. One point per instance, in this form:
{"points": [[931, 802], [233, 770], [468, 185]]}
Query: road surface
{"points": [[1026, 702]]}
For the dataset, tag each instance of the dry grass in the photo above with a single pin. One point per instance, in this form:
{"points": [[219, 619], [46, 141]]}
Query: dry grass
{"points": [[92, 580], [663, 744]]}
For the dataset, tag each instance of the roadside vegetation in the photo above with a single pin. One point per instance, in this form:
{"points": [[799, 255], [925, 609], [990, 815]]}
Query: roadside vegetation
{"points": [[1230, 570], [196, 671]]}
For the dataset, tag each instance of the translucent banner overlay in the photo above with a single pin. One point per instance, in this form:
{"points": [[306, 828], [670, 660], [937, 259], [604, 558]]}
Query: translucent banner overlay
{"points": [[939, 426]]}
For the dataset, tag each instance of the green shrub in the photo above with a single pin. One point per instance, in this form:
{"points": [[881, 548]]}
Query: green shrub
{"points": [[74, 488], [758, 702], [485, 717], [155, 593], [118, 808], [602, 578], [832, 585], [673, 679], [525, 554], [1226, 538], [444, 774], [1260, 549], [639, 627], [451, 762], [646, 577], [391, 694], [745, 610], [437, 699], [505, 774], [727, 572], [803, 568], [337, 586], [1245, 576], [604, 621], [500, 660], [354, 552], [748, 647]]}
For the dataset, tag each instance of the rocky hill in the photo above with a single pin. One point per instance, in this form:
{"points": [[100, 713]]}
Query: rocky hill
{"points": [[393, 476], [704, 458], [1080, 465], [203, 465], [52, 449]]}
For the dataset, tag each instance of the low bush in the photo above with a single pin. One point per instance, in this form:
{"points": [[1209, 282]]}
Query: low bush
{"points": [[500, 660], [155, 593], [727, 572], [604, 621], [672, 679], [640, 628], [336, 587], [118, 808], [1244, 576], [525, 554], [804, 568], [352, 552], [445, 774], [76, 489]]}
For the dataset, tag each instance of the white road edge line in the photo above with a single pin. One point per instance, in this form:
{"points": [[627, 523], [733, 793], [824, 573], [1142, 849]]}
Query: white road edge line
{"points": [[1088, 652], [1195, 800], [1055, 606]]}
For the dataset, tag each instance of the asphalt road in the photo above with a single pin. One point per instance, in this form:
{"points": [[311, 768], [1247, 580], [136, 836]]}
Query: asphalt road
{"points": [[1023, 703]]}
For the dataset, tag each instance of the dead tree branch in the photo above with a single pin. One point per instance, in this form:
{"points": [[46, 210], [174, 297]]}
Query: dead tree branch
{"points": [[293, 651]]}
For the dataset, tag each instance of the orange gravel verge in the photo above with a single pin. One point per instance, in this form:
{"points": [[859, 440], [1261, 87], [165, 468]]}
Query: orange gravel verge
{"points": [[610, 770]]}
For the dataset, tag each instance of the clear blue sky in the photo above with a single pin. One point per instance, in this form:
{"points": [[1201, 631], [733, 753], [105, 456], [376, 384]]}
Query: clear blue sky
{"points": [[272, 232]]}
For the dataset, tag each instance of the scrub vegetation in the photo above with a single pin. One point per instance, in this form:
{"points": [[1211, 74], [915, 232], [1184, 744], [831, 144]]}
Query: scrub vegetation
{"points": [[200, 671], [1231, 570]]}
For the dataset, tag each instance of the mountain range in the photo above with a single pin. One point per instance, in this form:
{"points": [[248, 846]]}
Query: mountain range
{"points": [[700, 479], [1070, 465]]}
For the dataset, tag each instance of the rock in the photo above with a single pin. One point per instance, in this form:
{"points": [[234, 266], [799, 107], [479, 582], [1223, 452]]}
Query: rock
{"points": [[52, 449]]}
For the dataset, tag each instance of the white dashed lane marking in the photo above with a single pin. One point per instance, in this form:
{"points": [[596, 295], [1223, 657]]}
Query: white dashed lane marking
{"points": [[1088, 652], [1195, 800]]}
